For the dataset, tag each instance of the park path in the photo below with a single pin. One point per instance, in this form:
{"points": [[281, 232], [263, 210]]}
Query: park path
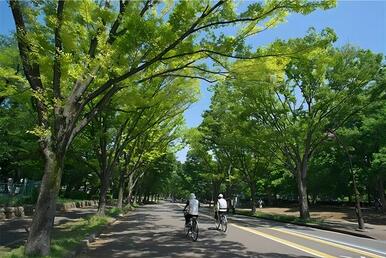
{"points": [[157, 231], [14, 234]]}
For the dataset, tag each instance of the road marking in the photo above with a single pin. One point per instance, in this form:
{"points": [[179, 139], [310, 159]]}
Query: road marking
{"points": [[347, 248], [346, 244], [285, 242]]}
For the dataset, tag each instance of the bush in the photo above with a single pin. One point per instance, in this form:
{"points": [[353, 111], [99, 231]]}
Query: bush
{"points": [[12, 201], [33, 198], [77, 195], [114, 212]]}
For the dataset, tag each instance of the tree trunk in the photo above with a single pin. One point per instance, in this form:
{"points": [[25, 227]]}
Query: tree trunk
{"points": [[216, 190], [253, 197], [381, 190], [129, 198], [105, 181], [121, 188], [302, 192], [130, 188], [39, 238], [271, 197]]}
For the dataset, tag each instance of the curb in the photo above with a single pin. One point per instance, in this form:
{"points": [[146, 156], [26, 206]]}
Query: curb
{"points": [[92, 237], [89, 239], [342, 231]]}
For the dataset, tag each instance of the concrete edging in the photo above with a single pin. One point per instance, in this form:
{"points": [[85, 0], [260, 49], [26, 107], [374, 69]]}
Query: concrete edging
{"points": [[92, 237], [89, 239]]}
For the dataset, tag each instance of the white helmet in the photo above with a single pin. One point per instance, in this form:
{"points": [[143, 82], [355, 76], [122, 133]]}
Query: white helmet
{"points": [[220, 196], [192, 196]]}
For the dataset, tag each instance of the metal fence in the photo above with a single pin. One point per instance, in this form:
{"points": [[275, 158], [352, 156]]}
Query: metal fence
{"points": [[19, 189]]}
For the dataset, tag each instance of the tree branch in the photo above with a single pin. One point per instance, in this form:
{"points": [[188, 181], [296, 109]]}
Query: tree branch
{"points": [[189, 76], [30, 67], [58, 49]]}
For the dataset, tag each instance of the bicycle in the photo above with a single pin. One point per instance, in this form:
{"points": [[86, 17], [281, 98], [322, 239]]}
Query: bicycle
{"points": [[222, 222], [191, 230]]}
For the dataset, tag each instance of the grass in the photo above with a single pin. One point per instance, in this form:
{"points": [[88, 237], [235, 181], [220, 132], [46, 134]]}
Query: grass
{"points": [[17, 200], [281, 217], [67, 236], [114, 212]]}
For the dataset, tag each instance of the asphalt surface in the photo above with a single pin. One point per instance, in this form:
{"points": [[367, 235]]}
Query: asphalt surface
{"points": [[157, 231], [13, 231]]}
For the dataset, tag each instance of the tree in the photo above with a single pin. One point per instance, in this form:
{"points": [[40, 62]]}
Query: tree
{"points": [[305, 95], [241, 146], [79, 54], [19, 152]]}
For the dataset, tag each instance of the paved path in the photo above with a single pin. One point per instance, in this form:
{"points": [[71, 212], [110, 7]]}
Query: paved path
{"points": [[13, 233], [157, 231]]}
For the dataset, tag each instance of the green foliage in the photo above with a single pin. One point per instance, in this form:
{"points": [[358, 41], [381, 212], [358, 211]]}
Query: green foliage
{"points": [[273, 114], [68, 236], [12, 201], [114, 212], [282, 217]]}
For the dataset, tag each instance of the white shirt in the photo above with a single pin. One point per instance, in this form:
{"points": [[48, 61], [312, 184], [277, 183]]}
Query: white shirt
{"points": [[222, 205], [193, 207]]}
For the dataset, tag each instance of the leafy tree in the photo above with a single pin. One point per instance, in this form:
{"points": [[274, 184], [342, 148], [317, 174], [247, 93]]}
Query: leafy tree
{"points": [[78, 54], [19, 153], [306, 95]]}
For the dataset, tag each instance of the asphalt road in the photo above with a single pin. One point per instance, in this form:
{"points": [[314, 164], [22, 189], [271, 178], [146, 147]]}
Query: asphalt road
{"points": [[157, 231]]}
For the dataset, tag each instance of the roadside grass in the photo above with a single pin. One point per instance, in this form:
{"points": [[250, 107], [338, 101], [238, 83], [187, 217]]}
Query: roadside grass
{"points": [[281, 217], [67, 236], [115, 212]]}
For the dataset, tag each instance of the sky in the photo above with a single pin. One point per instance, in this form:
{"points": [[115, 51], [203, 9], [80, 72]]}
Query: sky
{"points": [[360, 23]]}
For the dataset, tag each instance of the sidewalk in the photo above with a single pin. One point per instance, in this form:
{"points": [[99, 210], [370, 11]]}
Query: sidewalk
{"points": [[13, 232]]}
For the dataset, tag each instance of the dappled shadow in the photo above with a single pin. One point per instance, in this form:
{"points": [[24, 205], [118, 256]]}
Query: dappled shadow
{"points": [[13, 232], [160, 234], [168, 244], [73, 215]]}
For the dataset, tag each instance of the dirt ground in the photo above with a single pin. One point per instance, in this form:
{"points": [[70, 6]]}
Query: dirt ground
{"points": [[333, 213]]}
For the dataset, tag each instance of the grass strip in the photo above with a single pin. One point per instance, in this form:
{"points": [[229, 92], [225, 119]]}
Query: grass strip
{"points": [[67, 236], [281, 217]]}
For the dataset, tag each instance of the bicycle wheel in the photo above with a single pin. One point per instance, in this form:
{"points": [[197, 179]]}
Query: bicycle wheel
{"points": [[188, 228], [186, 231], [224, 224], [194, 230], [218, 223]]}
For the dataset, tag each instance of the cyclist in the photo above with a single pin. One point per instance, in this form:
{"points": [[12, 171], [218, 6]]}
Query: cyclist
{"points": [[192, 208], [221, 206]]}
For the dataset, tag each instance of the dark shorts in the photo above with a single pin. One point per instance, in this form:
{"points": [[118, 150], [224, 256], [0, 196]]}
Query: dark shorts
{"points": [[189, 216], [219, 213]]}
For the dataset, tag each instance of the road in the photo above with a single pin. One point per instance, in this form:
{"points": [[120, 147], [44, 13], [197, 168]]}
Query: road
{"points": [[157, 231]]}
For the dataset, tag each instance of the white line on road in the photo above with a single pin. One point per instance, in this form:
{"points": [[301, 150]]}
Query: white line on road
{"points": [[285, 242], [312, 238], [345, 243]]}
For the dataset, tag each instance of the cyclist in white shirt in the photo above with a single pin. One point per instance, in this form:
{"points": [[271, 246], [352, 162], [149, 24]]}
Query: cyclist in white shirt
{"points": [[221, 206], [191, 207]]}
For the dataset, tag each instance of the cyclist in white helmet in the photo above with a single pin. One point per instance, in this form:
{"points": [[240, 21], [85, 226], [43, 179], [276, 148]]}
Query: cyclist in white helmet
{"points": [[221, 206], [191, 207]]}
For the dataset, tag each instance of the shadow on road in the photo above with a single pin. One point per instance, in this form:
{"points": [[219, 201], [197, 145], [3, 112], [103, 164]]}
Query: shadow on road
{"points": [[160, 234], [13, 231]]}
